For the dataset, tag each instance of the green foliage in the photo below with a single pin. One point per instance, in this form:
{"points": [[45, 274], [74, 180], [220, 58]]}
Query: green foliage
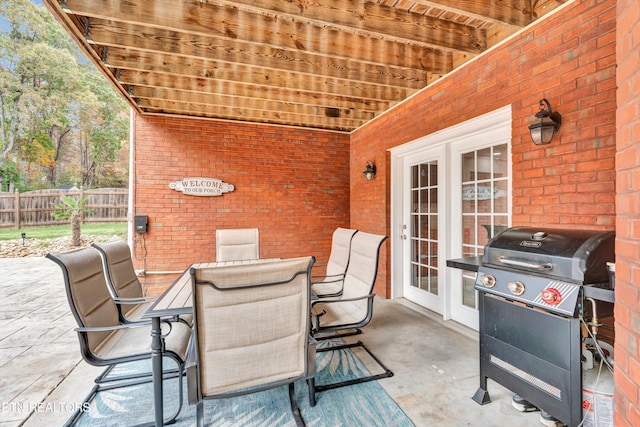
{"points": [[69, 207], [72, 209], [59, 115], [9, 174]]}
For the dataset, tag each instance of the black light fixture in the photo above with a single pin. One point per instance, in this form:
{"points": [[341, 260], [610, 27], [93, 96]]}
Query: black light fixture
{"points": [[24, 236], [546, 124], [370, 170]]}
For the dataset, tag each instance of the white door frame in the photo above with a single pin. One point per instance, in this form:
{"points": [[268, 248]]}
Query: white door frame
{"points": [[491, 126]]}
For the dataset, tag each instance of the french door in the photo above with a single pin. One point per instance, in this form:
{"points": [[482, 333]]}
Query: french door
{"points": [[450, 193], [422, 223], [482, 206]]}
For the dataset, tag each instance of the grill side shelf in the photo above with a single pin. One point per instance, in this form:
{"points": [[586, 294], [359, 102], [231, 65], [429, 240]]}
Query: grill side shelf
{"points": [[469, 263], [599, 294]]}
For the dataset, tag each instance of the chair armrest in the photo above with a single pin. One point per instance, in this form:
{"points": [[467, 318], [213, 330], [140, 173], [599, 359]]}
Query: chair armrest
{"points": [[341, 275], [133, 300], [334, 278], [139, 324], [111, 328], [331, 301]]}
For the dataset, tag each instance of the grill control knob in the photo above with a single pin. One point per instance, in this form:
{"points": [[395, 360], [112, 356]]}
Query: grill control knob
{"points": [[488, 280], [551, 296], [516, 287]]}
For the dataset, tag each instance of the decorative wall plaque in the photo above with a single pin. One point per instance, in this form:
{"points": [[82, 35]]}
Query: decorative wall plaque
{"points": [[201, 186]]}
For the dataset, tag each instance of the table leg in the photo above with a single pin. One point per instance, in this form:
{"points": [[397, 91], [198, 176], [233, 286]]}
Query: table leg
{"points": [[156, 368]]}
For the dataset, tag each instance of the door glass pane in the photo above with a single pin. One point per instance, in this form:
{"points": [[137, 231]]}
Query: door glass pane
{"points": [[485, 205], [468, 167], [433, 174], [485, 230], [500, 199], [433, 230], [424, 175], [469, 198], [424, 227], [500, 162], [433, 200]]}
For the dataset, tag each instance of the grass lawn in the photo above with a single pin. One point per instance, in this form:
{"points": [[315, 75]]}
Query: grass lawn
{"points": [[53, 231]]}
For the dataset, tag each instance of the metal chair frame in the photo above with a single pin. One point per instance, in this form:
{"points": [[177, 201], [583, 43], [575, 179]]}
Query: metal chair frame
{"points": [[194, 365], [102, 381], [319, 331], [106, 251]]}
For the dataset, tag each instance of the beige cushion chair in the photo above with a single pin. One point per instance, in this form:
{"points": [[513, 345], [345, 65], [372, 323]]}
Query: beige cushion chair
{"points": [[251, 330], [104, 339], [237, 244], [353, 309], [330, 285], [123, 282]]}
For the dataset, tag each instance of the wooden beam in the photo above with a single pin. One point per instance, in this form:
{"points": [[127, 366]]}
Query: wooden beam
{"points": [[251, 103], [274, 117], [213, 87], [513, 13], [370, 18], [122, 60], [304, 34], [231, 51]]}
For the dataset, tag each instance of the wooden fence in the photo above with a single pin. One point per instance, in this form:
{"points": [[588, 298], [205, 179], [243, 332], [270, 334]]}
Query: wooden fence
{"points": [[34, 208]]}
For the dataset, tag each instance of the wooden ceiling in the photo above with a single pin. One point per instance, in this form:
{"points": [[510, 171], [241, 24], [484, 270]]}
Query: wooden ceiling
{"points": [[320, 64]]}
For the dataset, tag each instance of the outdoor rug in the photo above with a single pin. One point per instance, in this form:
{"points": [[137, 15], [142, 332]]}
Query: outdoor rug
{"points": [[359, 405]]}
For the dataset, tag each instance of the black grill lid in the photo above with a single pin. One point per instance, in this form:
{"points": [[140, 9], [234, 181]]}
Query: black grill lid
{"points": [[575, 255]]}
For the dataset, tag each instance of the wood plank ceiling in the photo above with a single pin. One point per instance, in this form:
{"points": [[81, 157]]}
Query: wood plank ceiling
{"points": [[320, 64]]}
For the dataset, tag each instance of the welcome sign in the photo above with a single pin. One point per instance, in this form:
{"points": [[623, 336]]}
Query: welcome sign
{"points": [[201, 186]]}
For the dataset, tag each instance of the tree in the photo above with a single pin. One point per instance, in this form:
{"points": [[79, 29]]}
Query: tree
{"points": [[60, 120], [36, 69], [73, 209], [103, 127], [10, 179]]}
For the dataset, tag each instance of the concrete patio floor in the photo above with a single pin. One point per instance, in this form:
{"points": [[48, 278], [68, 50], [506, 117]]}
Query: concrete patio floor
{"points": [[42, 376]]}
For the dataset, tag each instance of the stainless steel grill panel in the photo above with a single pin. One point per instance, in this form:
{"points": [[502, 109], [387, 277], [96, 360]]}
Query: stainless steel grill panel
{"points": [[531, 283], [571, 255]]}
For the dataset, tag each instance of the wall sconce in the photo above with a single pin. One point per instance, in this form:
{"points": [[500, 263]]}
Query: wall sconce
{"points": [[370, 170], [546, 124]]}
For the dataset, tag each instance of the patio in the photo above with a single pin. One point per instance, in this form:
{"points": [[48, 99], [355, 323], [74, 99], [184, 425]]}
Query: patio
{"points": [[43, 379]]}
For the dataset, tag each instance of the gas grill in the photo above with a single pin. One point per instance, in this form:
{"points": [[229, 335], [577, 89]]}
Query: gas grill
{"points": [[532, 285]]}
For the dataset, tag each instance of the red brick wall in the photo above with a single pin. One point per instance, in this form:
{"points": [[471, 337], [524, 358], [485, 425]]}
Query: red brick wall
{"points": [[627, 309], [568, 58], [292, 184]]}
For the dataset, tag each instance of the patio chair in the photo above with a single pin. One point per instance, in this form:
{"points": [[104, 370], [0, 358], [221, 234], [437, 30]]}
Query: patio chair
{"points": [[237, 244], [123, 282], [332, 281], [353, 309], [251, 331], [104, 339]]}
